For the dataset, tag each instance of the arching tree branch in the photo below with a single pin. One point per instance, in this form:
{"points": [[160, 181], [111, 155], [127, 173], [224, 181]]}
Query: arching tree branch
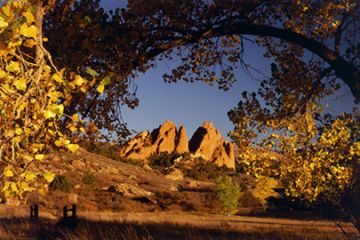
{"points": [[343, 69]]}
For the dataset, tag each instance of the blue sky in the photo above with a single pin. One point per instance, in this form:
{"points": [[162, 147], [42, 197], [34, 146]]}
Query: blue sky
{"points": [[190, 104]]}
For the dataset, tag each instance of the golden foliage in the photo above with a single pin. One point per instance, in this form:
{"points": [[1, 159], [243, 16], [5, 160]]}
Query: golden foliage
{"points": [[313, 162], [33, 96]]}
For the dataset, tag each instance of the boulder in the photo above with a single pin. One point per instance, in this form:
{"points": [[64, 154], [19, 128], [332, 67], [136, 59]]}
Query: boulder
{"points": [[138, 148], [129, 190], [208, 143]]}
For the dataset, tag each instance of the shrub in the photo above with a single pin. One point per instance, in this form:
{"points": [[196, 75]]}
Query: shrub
{"points": [[204, 170], [88, 178], [163, 160], [264, 189], [108, 150], [228, 194], [351, 198], [60, 183], [102, 148]]}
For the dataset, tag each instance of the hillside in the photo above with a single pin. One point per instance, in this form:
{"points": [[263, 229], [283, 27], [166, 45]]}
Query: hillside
{"points": [[125, 193]]}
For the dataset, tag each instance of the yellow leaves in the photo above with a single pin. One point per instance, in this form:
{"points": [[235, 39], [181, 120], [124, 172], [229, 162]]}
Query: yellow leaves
{"points": [[62, 142], [30, 43], [28, 176], [20, 84], [75, 117], [8, 172], [24, 187], [6, 10], [103, 83], [265, 189], [100, 88], [92, 72], [3, 74], [13, 67], [28, 158], [28, 31], [73, 128], [312, 163], [49, 177], [53, 110], [3, 23], [57, 78], [31, 105], [16, 43], [54, 96], [355, 149], [79, 81], [18, 131], [36, 147], [29, 16], [10, 189], [72, 147], [39, 157]]}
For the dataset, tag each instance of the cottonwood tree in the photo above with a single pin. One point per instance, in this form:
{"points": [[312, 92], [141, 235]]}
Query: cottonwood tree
{"points": [[209, 38], [33, 95], [311, 153]]}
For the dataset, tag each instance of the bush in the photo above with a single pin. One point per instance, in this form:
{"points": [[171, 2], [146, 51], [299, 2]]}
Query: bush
{"points": [[60, 183], [163, 160], [228, 194], [108, 150], [204, 170], [351, 198], [102, 148], [264, 189], [88, 178]]}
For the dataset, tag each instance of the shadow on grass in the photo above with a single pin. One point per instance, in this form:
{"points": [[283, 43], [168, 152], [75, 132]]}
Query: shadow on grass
{"points": [[81, 229]]}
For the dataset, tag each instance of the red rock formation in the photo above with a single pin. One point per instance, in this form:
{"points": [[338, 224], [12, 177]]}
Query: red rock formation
{"points": [[206, 142]]}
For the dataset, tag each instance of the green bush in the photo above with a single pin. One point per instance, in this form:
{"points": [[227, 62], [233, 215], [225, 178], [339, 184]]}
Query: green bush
{"points": [[102, 148], [228, 194], [204, 170], [88, 178], [163, 160], [108, 150], [60, 183]]}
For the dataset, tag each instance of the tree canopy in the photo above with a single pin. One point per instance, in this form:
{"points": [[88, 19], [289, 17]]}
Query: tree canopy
{"points": [[319, 38]]}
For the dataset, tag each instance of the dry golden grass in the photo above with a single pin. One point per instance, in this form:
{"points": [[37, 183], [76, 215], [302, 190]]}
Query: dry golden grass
{"points": [[146, 226]]}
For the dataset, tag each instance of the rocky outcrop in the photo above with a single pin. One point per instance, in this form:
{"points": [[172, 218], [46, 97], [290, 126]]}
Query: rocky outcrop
{"points": [[206, 142], [166, 138], [175, 174], [128, 190]]}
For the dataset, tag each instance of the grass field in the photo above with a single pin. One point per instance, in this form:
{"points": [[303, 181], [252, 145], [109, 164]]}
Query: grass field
{"points": [[148, 226]]}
